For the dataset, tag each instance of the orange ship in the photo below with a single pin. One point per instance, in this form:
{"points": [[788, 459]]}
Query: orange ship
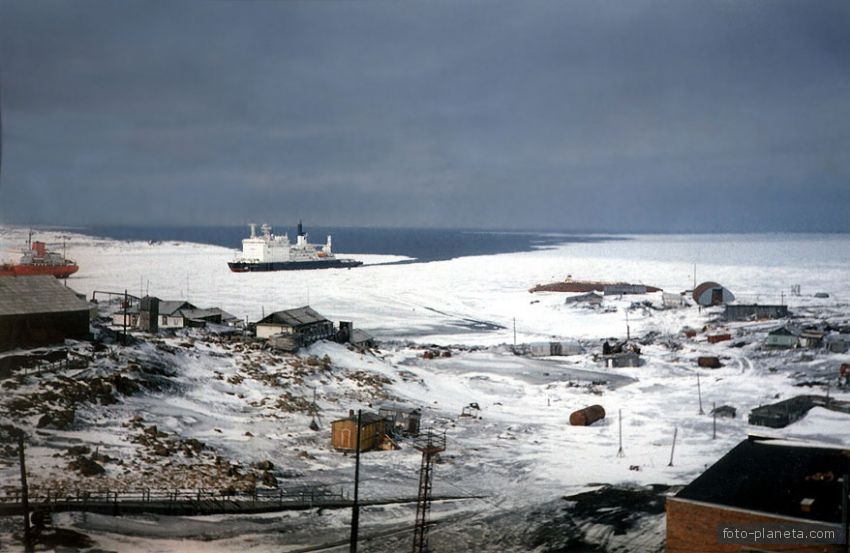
{"points": [[37, 260]]}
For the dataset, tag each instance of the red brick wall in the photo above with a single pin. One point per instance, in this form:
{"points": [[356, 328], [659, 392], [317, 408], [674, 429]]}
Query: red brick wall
{"points": [[692, 528]]}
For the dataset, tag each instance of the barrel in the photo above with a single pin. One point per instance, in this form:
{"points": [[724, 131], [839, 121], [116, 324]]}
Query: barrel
{"points": [[709, 362], [587, 416]]}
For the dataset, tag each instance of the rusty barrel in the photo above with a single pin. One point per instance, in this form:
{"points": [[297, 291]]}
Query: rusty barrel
{"points": [[709, 362], [587, 416]]}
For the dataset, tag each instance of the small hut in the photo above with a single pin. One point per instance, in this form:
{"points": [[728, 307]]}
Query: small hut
{"points": [[373, 428], [782, 337], [401, 419]]}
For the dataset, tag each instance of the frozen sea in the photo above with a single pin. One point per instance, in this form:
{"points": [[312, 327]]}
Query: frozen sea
{"points": [[470, 298], [521, 454]]}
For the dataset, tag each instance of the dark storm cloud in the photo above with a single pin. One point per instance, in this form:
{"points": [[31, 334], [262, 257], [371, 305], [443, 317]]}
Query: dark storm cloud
{"points": [[639, 115]]}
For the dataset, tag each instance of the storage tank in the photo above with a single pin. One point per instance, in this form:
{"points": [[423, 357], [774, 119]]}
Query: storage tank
{"points": [[587, 416]]}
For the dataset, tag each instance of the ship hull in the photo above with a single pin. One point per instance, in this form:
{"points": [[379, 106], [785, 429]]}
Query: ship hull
{"points": [[246, 267], [59, 271]]}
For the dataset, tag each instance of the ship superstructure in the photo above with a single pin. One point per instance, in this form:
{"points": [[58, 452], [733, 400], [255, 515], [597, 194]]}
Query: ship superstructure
{"points": [[38, 260], [270, 252]]}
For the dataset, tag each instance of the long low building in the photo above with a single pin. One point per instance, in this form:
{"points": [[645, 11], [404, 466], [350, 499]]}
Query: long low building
{"points": [[38, 310], [304, 322], [747, 312]]}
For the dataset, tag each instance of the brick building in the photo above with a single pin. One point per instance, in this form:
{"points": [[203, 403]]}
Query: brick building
{"points": [[760, 481]]}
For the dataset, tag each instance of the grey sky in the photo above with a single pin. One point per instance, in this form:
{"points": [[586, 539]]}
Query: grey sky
{"points": [[633, 115]]}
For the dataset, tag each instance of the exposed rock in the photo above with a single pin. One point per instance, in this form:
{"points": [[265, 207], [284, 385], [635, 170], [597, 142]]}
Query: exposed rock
{"points": [[78, 450], [86, 466], [263, 465], [60, 420], [269, 480]]}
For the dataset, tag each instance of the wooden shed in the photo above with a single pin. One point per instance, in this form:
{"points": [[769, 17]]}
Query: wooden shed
{"points": [[38, 310], [373, 428], [783, 337]]}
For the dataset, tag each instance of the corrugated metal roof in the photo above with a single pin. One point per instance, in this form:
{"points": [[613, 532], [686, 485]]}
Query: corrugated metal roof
{"points": [[37, 294], [294, 317], [171, 307], [359, 336]]}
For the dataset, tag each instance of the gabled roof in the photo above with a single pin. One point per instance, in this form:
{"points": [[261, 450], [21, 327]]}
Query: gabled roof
{"points": [[293, 317], [200, 313], [784, 331], [774, 478], [171, 307], [21, 295], [359, 336]]}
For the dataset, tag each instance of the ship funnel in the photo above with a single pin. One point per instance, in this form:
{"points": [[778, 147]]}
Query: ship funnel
{"points": [[328, 245], [253, 230], [300, 229]]}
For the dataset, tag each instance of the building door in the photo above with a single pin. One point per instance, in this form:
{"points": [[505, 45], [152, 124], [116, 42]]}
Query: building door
{"points": [[345, 439], [716, 296]]}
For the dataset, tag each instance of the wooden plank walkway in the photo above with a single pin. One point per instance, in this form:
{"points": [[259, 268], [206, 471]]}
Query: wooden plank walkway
{"points": [[190, 503]]}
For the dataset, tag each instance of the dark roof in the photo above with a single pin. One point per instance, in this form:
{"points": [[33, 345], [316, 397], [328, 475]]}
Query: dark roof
{"points": [[773, 478], [201, 313], [301, 316], [359, 336], [21, 295], [365, 418], [784, 331], [171, 307]]}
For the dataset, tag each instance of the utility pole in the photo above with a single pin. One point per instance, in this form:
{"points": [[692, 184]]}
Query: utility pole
{"points": [[714, 420], [25, 502], [673, 449], [628, 332], [699, 394], [125, 317], [620, 452], [355, 507]]}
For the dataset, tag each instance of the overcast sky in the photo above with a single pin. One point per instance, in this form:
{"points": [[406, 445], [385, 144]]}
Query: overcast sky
{"points": [[629, 116]]}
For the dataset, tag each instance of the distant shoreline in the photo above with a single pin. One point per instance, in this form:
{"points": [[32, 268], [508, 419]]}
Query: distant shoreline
{"points": [[421, 245]]}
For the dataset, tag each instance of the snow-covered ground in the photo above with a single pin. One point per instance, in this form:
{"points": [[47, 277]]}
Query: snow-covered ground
{"points": [[521, 453]]}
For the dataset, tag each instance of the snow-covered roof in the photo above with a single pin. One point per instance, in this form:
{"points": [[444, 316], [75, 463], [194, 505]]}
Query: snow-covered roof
{"points": [[200, 313], [294, 317], [37, 294], [359, 336], [171, 307]]}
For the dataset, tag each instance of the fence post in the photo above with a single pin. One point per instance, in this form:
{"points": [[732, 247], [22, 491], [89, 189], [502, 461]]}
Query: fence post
{"points": [[24, 492]]}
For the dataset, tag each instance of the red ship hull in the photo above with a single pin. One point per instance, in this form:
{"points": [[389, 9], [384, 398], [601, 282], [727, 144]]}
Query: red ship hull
{"points": [[59, 271]]}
